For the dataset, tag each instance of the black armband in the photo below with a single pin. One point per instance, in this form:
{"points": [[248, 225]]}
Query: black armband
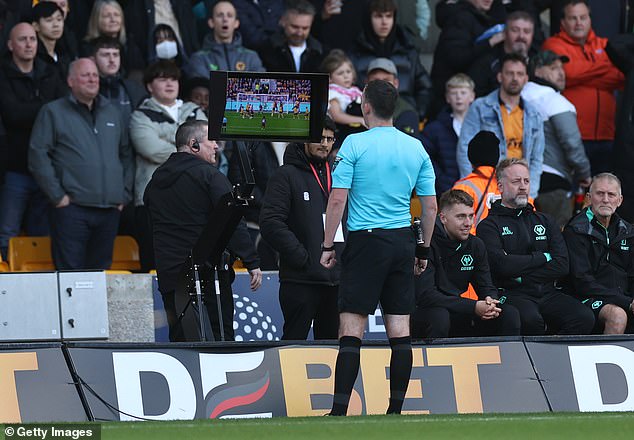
{"points": [[422, 252]]}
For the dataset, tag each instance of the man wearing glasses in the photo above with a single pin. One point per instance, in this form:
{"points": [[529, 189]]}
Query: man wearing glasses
{"points": [[292, 222]]}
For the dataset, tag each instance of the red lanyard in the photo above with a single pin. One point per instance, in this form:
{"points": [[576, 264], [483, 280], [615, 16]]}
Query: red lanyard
{"points": [[328, 179]]}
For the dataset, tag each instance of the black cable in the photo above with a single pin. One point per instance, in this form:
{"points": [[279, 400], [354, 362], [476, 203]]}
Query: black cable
{"points": [[83, 383]]}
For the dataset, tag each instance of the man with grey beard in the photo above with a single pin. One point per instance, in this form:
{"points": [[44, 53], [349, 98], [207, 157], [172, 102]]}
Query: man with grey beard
{"points": [[528, 255]]}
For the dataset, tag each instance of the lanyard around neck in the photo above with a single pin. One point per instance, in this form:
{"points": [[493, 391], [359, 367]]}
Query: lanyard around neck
{"points": [[328, 178]]}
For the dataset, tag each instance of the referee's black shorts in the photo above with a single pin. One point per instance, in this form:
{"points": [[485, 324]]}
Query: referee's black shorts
{"points": [[378, 266]]}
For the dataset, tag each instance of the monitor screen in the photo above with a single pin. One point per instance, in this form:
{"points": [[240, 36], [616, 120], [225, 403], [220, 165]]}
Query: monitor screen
{"points": [[267, 106]]}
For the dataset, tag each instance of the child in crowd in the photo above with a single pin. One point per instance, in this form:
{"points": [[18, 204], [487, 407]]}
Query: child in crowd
{"points": [[440, 137], [344, 98]]}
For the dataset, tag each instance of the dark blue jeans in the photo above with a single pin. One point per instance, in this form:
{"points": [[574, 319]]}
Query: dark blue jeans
{"points": [[22, 203], [82, 238]]}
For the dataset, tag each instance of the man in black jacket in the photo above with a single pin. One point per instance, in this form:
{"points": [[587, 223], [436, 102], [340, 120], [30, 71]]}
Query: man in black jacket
{"points": [[292, 48], [601, 248], [26, 84], [382, 37], [528, 255], [183, 193], [125, 94], [291, 221], [458, 259]]}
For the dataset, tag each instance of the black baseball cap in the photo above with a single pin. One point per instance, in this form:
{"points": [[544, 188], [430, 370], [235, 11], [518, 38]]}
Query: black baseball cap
{"points": [[545, 58]]}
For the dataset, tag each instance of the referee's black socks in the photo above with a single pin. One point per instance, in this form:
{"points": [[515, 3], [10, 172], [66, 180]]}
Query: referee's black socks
{"points": [[346, 371], [400, 371]]}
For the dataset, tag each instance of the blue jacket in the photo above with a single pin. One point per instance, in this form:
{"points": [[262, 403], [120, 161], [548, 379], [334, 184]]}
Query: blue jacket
{"points": [[440, 141], [484, 114]]}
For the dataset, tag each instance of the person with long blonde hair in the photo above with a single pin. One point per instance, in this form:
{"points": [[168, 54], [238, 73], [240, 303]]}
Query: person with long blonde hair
{"points": [[106, 18]]}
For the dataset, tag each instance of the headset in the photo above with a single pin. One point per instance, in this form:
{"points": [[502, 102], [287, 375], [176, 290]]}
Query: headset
{"points": [[195, 146]]}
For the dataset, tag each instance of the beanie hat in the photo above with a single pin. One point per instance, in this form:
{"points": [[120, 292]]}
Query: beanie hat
{"points": [[484, 149]]}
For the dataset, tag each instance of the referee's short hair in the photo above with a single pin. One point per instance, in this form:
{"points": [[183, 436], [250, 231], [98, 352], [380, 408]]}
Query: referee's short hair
{"points": [[454, 197], [382, 96]]}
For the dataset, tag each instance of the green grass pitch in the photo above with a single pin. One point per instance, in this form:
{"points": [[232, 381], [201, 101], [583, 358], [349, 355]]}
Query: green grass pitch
{"points": [[568, 426], [288, 125]]}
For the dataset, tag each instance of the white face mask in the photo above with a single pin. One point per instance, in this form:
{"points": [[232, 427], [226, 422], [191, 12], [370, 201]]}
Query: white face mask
{"points": [[167, 50]]}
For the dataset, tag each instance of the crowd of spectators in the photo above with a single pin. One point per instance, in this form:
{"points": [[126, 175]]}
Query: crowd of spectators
{"points": [[92, 92]]}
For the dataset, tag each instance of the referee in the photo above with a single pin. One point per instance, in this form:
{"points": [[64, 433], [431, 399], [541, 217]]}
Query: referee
{"points": [[377, 170]]}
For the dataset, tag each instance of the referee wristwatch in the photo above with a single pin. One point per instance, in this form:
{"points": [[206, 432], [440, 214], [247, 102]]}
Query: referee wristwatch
{"points": [[327, 248]]}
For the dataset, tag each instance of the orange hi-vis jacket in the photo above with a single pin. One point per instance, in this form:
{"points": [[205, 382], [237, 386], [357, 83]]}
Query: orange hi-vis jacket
{"points": [[591, 80], [475, 184]]}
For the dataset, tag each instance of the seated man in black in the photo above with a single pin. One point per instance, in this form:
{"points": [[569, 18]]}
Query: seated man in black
{"points": [[528, 255], [601, 248], [457, 259]]}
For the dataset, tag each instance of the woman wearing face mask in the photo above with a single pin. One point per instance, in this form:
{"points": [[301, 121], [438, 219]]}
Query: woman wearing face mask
{"points": [[166, 46]]}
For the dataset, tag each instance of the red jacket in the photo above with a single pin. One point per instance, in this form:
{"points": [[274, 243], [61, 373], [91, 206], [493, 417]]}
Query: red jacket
{"points": [[591, 80]]}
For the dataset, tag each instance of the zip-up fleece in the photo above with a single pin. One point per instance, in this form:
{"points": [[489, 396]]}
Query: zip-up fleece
{"points": [[452, 265], [222, 56], [82, 153], [601, 260], [527, 252]]}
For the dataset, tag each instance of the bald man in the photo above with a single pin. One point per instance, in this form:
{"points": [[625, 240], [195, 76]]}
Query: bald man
{"points": [[26, 84], [79, 155]]}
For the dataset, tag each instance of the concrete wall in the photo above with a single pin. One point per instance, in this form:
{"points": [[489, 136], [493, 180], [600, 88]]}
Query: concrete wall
{"points": [[130, 307]]}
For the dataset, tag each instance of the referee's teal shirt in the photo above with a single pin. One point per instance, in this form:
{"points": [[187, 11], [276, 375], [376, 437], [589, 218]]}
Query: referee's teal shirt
{"points": [[380, 167]]}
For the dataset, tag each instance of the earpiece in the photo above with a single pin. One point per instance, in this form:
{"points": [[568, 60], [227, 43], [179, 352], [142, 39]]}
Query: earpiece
{"points": [[195, 146]]}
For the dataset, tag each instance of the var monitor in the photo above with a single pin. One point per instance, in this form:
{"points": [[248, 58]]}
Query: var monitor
{"points": [[267, 106]]}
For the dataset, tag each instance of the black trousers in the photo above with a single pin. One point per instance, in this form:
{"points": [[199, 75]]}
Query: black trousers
{"points": [[143, 228], [553, 313], [185, 328], [303, 304], [438, 322]]}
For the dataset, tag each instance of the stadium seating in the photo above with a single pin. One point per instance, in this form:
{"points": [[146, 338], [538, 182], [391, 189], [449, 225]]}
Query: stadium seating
{"points": [[4, 267], [31, 254], [126, 254]]}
